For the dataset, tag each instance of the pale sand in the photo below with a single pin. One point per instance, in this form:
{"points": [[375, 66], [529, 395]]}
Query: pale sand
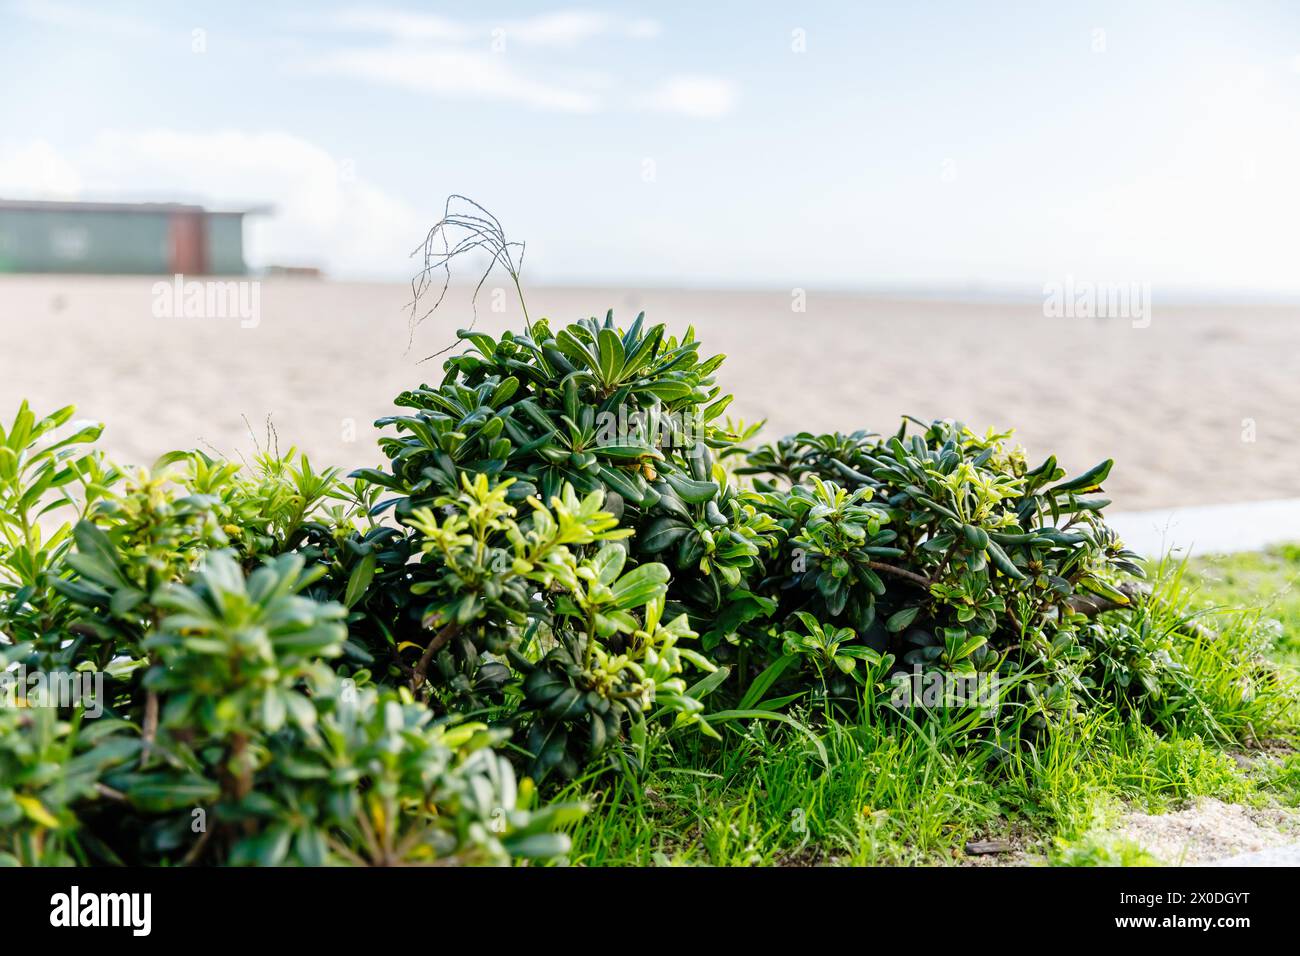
{"points": [[1168, 402], [1206, 831]]}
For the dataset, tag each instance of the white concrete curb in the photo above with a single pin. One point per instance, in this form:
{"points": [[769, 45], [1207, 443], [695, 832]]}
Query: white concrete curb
{"points": [[1273, 856], [1210, 529]]}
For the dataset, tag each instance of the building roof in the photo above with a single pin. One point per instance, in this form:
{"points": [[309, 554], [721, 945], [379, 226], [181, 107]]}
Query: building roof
{"points": [[48, 205]]}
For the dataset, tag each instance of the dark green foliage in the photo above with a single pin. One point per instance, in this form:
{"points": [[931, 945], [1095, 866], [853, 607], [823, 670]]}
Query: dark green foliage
{"points": [[938, 550], [217, 721], [630, 413], [567, 558], [943, 549], [546, 598]]}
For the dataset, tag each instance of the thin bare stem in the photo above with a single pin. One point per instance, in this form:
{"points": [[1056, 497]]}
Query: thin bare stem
{"points": [[461, 231], [917, 579], [438, 643]]}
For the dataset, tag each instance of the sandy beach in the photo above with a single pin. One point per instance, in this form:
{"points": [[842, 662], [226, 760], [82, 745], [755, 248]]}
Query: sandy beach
{"points": [[1198, 408]]}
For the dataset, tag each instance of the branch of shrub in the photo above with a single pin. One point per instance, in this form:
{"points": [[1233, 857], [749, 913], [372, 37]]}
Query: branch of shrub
{"points": [[438, 643], [1094, 604], [917, 579]]}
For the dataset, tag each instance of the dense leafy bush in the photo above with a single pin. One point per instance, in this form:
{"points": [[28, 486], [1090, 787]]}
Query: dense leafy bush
{"points": [[942, 549], [569, 552], [216, 729], [631, 414]]}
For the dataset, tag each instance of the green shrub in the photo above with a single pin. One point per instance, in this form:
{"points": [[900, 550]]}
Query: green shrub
{"points": [[569, 557], [222, 728], [631, 414], [942, 549], [491, 583], [945, 550]]}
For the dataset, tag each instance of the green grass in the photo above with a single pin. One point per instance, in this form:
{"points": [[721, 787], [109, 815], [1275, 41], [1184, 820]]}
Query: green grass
{"points": [[894, 792], [890, 796], [1281, 779], [1268, 580]]}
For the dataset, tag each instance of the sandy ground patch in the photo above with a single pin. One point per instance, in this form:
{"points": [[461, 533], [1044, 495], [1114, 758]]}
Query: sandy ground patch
{"points": [[1207, 831], [1200, 407]]}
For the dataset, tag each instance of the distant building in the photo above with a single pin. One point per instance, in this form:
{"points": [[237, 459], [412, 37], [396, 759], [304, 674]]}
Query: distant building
{"points": [[133, 238]]}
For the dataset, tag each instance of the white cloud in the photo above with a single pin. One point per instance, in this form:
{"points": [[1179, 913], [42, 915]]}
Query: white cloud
{"points": [[563, 28], [557, 29], [37, 170], [402, 24], [66, 16], [644, 28], [454, 73], [326, 212], [476, 59], [702, 97]]}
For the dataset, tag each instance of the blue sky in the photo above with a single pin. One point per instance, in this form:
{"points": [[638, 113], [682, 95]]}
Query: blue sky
{"points": [[1001, 145]]}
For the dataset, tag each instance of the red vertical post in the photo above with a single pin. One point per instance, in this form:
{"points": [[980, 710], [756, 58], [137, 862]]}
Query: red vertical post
{"points": [[189, 247]]}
